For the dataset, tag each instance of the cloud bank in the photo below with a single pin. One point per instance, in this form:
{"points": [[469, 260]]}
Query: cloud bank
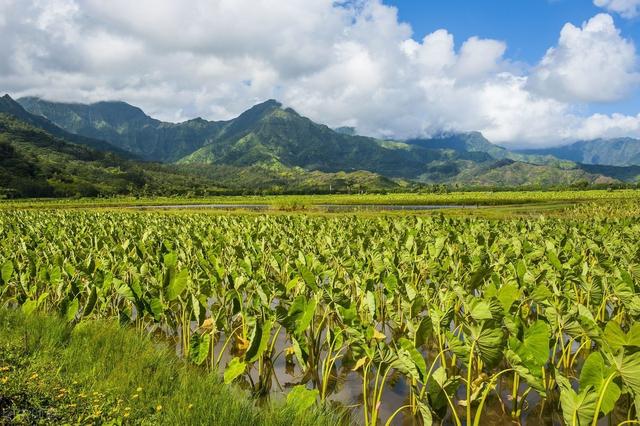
{"points": [[626, 8], [347, 63]]}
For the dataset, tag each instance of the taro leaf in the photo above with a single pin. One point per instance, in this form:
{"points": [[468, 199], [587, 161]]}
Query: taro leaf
{"points": [[348, 314], [490, 343], [170, 260], [588, 323], [308, 277], [521, 269], [507, 295], [72, 310], [424, 331], [91, 302], [512, 324], [479, 310], [29, 306], [391, 283], [177, 284], [415, 358], [594, 374], [629, 370], [633, 336], [541, 294], [234, 369], [300, 350], [577, 409], [533, 378], [55, 275], [459, 348], [301, 312], [534, 349], [302, 398], [371, 304], [436, 249], [259, 341], [7, 271], [478, 277], [553, 259], [156, 308], [411, 291], [616, 338], [438, 386], [199, 348], [425, 413], [360, 363]]}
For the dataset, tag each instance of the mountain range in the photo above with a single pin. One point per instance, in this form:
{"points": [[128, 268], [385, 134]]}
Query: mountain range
{"points": [[605, 152], [272, 148]]}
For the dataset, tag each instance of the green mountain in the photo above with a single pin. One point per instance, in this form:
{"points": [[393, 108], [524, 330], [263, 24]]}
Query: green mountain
{"points": [[629, 174], [476, 142], [263, 135], [10, 107], [608, 152], [267, 134], [269, 146], [35, 162], [126, 127]]}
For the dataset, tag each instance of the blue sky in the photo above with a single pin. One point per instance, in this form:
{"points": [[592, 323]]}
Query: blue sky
{"points": [[528, 27]]}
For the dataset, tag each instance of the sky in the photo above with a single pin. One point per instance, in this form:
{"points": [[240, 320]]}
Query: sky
{"points": [[525, 73]]}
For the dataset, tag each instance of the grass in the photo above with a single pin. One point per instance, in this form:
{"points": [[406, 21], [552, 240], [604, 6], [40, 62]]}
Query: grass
{"points": [[302, 202], [97, 372]]}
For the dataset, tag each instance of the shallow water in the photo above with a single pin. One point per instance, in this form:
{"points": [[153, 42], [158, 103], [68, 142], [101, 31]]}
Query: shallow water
{"points": [[326, 207]]}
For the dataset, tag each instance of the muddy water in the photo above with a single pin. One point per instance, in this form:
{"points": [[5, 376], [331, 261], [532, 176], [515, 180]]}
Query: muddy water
{"points": [[348, 394]]}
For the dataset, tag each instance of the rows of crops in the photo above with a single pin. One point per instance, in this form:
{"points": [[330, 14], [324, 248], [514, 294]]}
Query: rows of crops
{"points": [[426, 320]]}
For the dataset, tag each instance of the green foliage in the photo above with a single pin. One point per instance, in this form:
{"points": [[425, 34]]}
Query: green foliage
{"points": [[463, 311]]}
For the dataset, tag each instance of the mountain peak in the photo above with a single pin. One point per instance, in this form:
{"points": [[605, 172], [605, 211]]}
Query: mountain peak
{"points": [[9, 106], [263, 107], [271, 103]]}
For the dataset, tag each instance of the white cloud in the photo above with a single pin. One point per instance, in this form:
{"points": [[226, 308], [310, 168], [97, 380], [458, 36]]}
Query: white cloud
{"points": [[626, 8], [351, 64], [589, 64]]}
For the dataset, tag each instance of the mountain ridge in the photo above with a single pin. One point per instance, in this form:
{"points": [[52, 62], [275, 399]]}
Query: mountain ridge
{"points": [[604, 152], [272, 137]]}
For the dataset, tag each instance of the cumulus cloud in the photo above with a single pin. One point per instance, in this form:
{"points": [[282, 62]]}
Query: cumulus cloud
{"points": [[626, 8], [341, 63], [589, 64]]}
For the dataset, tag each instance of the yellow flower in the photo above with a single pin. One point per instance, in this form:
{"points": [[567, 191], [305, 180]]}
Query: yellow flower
{"points": [[4, 368], [4, 380], [126, 414], [139, 390], [135, 396], [159, 408], [190, 406], [34, 376]]}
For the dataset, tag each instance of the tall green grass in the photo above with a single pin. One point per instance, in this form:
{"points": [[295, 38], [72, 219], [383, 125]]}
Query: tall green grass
{"points": [[98, 372]]}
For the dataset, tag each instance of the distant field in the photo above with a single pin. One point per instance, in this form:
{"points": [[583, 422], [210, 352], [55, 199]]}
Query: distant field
{"points": [[292, 202]]}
